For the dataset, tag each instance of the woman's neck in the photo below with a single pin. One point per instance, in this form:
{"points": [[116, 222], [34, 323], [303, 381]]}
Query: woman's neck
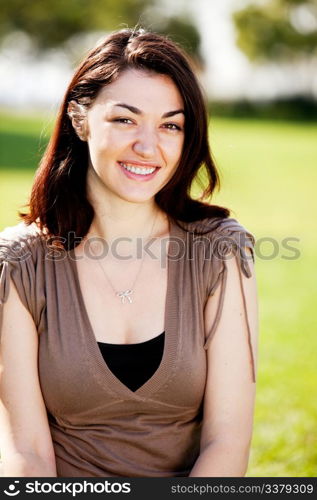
{"points": [[125, 221]]}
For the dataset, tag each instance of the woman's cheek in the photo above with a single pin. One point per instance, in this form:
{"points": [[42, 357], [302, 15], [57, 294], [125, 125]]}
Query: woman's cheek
{"points": [[175, 151]]}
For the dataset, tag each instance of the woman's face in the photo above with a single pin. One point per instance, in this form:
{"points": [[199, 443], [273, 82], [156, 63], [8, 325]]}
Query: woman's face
{"points": [[135, 136]]}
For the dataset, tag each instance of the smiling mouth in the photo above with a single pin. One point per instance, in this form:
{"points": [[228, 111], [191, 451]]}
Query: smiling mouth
{"points": [[139, 170]]}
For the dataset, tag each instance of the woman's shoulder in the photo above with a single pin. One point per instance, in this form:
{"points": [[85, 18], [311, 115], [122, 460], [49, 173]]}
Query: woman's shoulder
{"points": [[217, 227], [21, 251], [20, 241], [222, 236]]}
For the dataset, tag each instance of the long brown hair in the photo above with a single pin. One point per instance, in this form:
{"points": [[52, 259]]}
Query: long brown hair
{"points": [[58, 201]]}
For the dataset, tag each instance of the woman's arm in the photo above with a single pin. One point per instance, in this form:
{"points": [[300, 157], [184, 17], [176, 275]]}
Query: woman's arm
{"points": [[25, 439], [230, 391]]}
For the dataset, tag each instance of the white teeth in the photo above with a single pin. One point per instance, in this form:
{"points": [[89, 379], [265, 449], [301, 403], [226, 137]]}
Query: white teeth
{"points": [[138, 170]]}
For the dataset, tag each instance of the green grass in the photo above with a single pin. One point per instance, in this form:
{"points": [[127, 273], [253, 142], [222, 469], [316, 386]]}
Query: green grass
{"points": [[268, 172], [22, 141], [269, 176]]}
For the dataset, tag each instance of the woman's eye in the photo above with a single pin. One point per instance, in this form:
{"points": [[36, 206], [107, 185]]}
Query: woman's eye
{"points": [[123, 120], [172, 126]]}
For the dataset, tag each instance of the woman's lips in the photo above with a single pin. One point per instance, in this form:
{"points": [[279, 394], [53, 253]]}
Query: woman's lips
{"points": [[139, 177]]}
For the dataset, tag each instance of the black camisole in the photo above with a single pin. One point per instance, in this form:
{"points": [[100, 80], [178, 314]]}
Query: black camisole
{"points": [[134, 364]]}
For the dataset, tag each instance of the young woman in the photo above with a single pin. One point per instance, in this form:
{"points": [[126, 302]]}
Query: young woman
{"points": [[129, 310]]}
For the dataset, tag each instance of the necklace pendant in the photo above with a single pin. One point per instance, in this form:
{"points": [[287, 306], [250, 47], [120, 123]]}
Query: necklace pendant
{"points": [[124, 295]]}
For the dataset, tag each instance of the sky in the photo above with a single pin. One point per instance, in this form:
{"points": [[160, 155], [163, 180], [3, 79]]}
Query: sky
{"points": [[27, 82]]}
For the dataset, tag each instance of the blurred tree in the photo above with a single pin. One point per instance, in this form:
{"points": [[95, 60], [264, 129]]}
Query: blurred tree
{"points": [[182, 31], [50, 23], [278, 30]]}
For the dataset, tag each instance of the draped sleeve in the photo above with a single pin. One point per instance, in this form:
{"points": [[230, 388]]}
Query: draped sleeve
{"points": [[226, 239], [21, 252]]}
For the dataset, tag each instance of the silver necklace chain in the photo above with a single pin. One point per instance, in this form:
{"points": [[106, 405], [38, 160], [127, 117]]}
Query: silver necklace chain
{"points": [[126, 295]]}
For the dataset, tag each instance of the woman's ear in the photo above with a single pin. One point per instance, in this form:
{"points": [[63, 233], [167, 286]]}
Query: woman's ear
{"points": [[77, 115]]}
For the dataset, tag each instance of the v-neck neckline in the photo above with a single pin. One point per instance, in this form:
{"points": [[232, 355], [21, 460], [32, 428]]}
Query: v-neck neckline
{"points": [[168, 363]]}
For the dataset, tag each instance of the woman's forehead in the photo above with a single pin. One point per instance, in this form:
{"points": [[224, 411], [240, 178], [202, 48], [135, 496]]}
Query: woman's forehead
{"points": [[142, 89]]}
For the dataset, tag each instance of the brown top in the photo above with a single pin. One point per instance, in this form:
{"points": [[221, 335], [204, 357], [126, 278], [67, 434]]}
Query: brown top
{"points": [[99, 426]]}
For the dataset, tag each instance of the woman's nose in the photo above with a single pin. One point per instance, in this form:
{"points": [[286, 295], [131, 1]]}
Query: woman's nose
{"points": [[145, 144]]}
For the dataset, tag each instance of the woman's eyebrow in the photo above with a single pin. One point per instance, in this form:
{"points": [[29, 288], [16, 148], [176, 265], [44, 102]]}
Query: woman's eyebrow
{"points": [[172, 113], [137, 111]]}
